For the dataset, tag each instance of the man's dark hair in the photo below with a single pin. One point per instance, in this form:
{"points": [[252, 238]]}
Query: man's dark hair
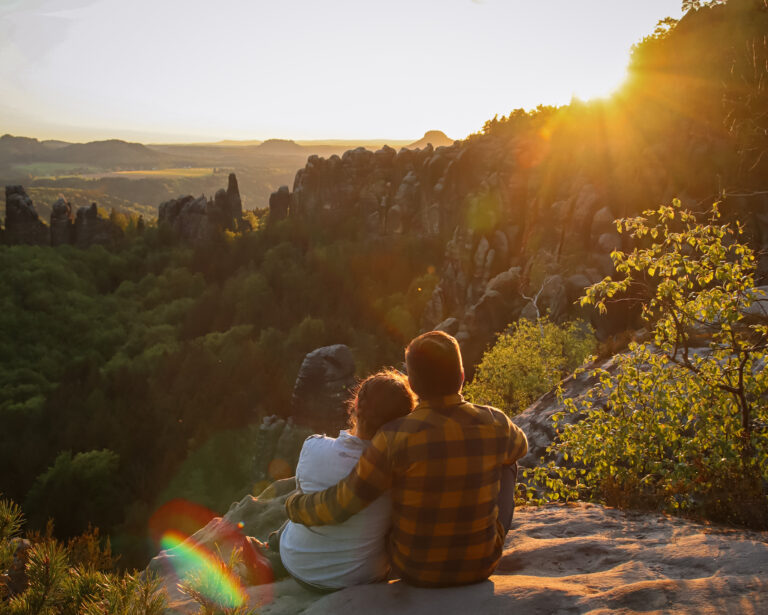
{"points": [[434, 365]]}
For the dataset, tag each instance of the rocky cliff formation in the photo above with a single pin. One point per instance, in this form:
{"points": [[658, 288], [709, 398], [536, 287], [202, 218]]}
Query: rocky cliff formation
{"points": [[23, 225], [503, 243], [62, 223], [526, 214], [279, 204], [278, 445], [90, 229], [200, 219], [533, 197]]}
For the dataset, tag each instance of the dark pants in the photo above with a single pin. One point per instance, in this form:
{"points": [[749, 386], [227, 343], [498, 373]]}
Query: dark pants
{"points": [[507, 488]]}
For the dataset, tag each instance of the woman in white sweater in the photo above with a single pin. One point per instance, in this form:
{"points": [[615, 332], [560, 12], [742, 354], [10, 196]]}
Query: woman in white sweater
{"points": [[331, 557]]}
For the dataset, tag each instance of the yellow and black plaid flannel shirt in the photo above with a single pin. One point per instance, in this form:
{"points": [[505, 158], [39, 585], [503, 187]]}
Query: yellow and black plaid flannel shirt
{"points": [[442, 464]]}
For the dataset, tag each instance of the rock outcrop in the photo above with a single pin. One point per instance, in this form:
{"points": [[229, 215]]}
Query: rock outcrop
{"points": [[531, 195], [278, 445], [62, 223], [90, 229], [482, 198], [230, 203], [536, 420], [390, 191], [752, 212], [279, 204], [323, 385], [198, 220], [188, 217], [22, 224]]}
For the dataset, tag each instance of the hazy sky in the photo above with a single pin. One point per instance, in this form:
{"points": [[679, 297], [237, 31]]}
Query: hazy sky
{"points": [[253, 69]]}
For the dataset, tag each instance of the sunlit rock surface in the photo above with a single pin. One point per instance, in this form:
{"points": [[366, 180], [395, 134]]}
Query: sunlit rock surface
{"points": [[559, 559]]}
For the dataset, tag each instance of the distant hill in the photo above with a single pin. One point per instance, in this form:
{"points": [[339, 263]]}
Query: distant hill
{"points": [[436, 137], [233, 143], [280, 147], [348, 144], [54, 144], [21, 149], [108, 153]]}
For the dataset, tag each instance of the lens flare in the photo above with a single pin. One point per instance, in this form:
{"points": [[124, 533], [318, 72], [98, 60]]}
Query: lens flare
{"points": [[229, 590], [179, 515], [172, 528]]}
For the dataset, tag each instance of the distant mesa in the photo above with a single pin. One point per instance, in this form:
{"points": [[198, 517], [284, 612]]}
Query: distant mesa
{"points": [[231, 143], [435, 137], [280, 146]]}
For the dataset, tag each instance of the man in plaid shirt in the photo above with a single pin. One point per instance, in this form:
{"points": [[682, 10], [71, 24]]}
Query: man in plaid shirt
{"points": [[451, 468]]}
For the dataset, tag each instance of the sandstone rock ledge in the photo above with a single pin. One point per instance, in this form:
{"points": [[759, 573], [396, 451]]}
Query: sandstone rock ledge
{"points": [[578, 558]]}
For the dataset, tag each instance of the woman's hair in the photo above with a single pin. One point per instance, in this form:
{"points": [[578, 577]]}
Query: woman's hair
{"points": [[380, 398]]}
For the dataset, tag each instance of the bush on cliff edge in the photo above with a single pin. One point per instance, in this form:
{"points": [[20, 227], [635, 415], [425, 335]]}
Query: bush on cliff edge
{"points": [[685, 425], [528, 360]]}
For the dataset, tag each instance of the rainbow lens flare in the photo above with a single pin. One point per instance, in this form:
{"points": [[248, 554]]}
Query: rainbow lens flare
{"points": [[219, 584], [203, 557]]}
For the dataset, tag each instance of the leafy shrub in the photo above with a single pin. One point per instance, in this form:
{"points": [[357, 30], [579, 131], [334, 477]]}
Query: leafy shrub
{"points": [[683, 428], [529, 359]]}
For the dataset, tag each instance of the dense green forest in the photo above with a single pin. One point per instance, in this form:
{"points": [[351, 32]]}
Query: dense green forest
{"points": [[120, 364], [131, 375]]}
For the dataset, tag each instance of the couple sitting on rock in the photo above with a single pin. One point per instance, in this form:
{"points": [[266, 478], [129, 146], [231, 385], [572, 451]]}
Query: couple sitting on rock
{"points": [[422, 491]]}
